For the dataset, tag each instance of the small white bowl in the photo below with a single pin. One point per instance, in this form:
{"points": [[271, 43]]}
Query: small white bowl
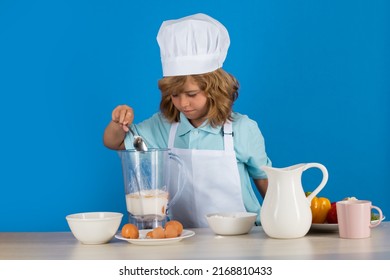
{"points": [[231, 223], [94, 227]]}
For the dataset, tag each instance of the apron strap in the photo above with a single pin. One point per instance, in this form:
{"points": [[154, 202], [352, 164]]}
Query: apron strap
{"points": [[172, 134], [227, 135]]}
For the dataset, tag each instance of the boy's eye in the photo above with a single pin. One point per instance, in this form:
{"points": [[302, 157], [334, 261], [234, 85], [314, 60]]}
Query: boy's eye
{"points": [[187, 93], [193, 93]]}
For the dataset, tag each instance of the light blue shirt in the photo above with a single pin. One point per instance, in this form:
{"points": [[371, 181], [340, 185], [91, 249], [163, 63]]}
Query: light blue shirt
{"points": [[248, 145]]}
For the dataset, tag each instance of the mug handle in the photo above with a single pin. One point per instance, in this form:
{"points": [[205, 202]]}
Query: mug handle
{"points": [[325, 177], [375, 224]]}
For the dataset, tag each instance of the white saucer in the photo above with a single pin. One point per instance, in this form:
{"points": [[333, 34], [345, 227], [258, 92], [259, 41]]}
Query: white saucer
{"points": [[331, 227], [142, 240]]}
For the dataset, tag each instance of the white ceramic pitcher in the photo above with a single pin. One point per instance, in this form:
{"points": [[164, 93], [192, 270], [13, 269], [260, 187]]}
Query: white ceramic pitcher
{"points": [[286, 212]]}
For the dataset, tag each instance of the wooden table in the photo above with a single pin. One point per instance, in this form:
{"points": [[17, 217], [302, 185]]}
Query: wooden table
{"points": [[204, 245]]}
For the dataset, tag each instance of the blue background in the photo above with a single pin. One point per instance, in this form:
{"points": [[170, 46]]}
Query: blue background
{"points": [[315, 75]]}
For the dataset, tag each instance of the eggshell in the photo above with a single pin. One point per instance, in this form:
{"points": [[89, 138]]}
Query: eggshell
{"points": [[171, 231], [177, 225], [130, 231]]}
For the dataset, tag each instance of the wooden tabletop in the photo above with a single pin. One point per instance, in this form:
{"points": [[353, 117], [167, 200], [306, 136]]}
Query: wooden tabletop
{"points": [[203, 245]]}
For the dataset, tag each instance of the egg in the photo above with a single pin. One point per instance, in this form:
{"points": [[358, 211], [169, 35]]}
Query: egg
{"points": [[156, 233], [130, 231], [171, 231], [149, 234], [176, 224]]}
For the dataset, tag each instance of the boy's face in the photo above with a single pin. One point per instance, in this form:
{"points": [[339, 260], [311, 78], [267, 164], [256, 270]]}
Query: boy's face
{"points": [[192, 102]]}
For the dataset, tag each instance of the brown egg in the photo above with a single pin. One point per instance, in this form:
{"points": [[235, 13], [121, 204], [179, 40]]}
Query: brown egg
{"points": [[171, 231], [130, 231], [177, 225], [157, 233], [149, 234]]}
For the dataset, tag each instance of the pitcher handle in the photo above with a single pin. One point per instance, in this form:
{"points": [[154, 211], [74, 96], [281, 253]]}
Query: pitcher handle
{"points": [[182, 178], [325, 177]]}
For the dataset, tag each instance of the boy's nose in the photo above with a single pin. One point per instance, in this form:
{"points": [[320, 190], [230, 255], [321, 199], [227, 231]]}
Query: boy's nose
{"points": [[184, 101]]}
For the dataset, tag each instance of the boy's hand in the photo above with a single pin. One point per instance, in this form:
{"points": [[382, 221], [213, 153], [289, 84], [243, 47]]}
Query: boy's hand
{"points": [[123, 115]]}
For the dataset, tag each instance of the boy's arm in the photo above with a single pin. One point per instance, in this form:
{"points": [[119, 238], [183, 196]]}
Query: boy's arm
{"points": [[261, 185]]}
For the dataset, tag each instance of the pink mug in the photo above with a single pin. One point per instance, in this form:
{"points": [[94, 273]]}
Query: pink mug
{"points": [[354, 218]]}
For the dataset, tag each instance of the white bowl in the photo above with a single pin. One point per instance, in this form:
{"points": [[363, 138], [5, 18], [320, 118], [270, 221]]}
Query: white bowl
{"points": [[231, 223], [94, 227]]}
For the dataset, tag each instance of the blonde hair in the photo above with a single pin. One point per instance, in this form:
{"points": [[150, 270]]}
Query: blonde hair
{"points": [[220, 87]]}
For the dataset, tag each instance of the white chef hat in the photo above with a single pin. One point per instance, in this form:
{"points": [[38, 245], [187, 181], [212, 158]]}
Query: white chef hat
{"points": [[194, 44]]}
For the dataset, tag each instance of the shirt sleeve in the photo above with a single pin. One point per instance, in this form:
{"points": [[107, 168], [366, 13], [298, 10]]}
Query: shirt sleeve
{"points": [[250, 146]]}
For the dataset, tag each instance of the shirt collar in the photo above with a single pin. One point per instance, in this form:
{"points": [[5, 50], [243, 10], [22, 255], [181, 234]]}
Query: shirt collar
{"points": [[185, 126]]}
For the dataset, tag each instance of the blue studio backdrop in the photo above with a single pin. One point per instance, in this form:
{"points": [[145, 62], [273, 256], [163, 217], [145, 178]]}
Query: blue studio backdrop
{"points": [[315, 75]]}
